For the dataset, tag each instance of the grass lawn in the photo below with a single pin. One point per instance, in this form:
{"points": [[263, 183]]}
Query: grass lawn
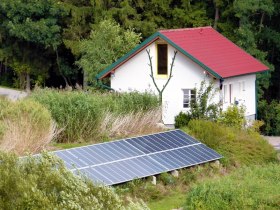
{"points": [[173, 201]]}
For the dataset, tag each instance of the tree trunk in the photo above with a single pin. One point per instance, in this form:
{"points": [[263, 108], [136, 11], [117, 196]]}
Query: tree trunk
{"points": [[85, 79], [261, 22], [27, 88], [22, 81], [217, 17]]}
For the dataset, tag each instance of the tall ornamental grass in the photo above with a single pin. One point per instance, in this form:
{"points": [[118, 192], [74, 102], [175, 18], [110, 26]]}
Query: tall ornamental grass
{"points": [[247, 188], [25, 126], [83, 115]]}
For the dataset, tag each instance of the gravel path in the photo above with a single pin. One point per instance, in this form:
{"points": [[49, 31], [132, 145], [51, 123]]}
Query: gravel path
{"points": [[274, 141], [12, 94]]}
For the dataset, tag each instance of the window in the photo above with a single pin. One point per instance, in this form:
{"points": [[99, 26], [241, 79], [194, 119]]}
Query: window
{"points": [[162, 59], [189, 95], [230, 93], [225, 94]]}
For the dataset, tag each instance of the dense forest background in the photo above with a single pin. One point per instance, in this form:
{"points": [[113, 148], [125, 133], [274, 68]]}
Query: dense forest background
{"points": [[60, 43]]}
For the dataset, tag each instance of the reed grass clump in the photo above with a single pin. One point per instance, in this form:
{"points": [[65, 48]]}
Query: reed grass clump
{"points": [[93, 116], [25, 126]]}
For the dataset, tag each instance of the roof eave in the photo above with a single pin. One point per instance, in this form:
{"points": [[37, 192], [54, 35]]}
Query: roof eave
{"points": [[239, 75]]}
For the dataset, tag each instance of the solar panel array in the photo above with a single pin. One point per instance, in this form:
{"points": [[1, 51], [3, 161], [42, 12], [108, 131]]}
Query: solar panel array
{"points": [[127, 159]]}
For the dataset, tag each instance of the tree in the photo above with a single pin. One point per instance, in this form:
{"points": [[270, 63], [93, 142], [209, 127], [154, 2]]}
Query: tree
{"points": [[160, 91], [106, 43], [30, 27]]}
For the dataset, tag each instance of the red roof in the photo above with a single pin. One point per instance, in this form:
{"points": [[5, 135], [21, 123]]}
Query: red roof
{"points": [[214, 51]]}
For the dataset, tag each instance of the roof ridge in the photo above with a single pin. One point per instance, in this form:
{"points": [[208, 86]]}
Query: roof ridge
{"points": [[184, 29]]}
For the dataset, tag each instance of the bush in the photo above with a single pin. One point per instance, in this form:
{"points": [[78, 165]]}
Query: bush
{"points": [[270, 114], [182, 120], [81, 114], [247, 188], [45, 183], [233, 116], [202, 107], [25, 126], [238, 147]]}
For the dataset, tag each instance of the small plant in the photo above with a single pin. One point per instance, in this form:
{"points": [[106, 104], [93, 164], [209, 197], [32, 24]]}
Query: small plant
{"points": [[167, 179], [233, 117], [182, 119]]}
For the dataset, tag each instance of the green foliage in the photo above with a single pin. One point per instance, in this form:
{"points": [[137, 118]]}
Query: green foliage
{"points": [[79, 113], [182, 120], [202, 107], [270, 114], [45, 183], [105, 45], [238, 147], [233, 117], [248, 188]]}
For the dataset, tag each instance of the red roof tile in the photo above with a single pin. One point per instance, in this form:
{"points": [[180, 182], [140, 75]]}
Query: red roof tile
{"points": [[214, 51]]}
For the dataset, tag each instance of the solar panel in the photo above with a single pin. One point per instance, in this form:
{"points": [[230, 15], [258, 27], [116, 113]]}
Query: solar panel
{"points": [[127, 159]]}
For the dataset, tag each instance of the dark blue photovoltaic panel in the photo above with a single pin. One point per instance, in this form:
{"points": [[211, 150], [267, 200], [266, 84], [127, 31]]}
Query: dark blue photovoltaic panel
{"points": [[186, 156], [123, 171], [97, 154], [161, 141], [123, 160]]}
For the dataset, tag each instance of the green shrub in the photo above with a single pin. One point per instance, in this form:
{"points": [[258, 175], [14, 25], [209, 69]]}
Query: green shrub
{"points": [[79, 113], [45, 183], [247, 188], [270, 114], [233, 116], [182, 120], [202, 107], [238, 147]]}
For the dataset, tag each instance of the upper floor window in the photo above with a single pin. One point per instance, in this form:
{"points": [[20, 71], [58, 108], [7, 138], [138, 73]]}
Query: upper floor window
{"points": [[189, 95], [162, 59]]}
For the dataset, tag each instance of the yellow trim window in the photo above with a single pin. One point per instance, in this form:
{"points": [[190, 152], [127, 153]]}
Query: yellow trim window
{"points": [[162, 59]]}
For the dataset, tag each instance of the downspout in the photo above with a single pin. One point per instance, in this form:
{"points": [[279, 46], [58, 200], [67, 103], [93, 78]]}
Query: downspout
{"points": [[100, 84], [256, 97]]}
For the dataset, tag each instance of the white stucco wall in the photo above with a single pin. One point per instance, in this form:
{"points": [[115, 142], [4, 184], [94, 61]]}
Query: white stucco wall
{"points": [[135, 75], [244, 95]]}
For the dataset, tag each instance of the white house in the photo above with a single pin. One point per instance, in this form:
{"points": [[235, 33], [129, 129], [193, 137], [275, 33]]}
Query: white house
{"points": [[203, 54]]}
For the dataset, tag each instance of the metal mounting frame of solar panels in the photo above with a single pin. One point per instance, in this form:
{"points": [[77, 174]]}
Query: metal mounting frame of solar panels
{"points": [[123, 160]]}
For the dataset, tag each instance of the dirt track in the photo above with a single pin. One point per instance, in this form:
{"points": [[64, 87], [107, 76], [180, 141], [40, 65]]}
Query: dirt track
{"points": [[12, 94], [274, 141]]}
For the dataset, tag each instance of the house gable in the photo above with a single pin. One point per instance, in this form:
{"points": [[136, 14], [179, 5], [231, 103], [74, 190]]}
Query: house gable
{"points": [[194, 43], [146, 43]]}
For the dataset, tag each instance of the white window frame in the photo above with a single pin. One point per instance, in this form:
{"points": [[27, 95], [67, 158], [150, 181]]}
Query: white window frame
{"points": [[188, 96]]}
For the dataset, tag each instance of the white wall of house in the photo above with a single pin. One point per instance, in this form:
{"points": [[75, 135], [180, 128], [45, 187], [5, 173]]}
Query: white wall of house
{"points": [[135, 75], [243, 91]]}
